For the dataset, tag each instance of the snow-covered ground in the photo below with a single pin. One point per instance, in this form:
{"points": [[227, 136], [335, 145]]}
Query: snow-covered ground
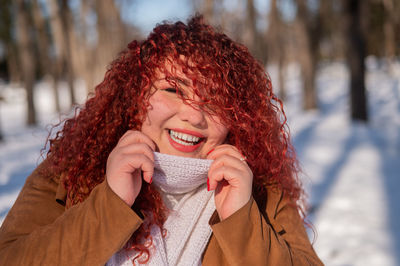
{"points": [[351, 170]]}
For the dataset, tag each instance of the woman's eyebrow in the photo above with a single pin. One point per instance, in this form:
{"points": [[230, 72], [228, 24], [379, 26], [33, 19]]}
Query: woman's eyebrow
{"points": [[182, 81]]}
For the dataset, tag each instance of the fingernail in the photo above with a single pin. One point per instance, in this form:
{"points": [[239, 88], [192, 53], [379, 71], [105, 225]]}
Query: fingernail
{"points": [[151, 180], [210, 151], [208, 184]]}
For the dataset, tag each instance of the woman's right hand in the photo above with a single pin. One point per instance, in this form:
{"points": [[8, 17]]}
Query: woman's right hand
{"points": [[132, 156]]}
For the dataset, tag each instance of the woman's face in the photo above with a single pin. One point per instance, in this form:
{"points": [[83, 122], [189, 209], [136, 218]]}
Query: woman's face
{"points": [[178, 128]]}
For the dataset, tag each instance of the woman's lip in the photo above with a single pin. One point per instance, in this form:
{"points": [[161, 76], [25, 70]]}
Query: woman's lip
{"points": [[184, 148], [186, 131]]}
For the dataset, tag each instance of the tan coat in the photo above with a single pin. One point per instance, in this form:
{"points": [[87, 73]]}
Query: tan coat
{"points": [[38, 230]]}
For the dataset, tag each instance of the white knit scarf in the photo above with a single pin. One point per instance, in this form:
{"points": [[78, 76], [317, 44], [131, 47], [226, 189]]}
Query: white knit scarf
{"points": [[182, 183]]}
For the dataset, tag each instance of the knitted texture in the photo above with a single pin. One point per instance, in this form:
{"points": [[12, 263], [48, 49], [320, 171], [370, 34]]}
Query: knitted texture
{"points": [[188, 231], [176, 174]]}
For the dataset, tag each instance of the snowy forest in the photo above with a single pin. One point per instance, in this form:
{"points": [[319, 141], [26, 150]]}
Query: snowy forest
{"points": [[334, 63]]}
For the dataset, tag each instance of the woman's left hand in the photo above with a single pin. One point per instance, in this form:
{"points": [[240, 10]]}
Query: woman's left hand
{"points": [[231, 178]]}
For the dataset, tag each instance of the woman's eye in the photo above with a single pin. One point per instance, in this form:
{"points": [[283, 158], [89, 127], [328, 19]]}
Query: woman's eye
{"points": [[172, 90], [175, 91]]}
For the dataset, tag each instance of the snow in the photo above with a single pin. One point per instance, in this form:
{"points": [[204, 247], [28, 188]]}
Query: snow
{"points": [[350, 169]]}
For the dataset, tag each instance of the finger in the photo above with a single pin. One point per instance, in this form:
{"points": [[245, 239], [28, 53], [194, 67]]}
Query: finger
{"points": [[129, 163], [137, 148], [231, 174], [127, 133], [143, 163], [228, 160], [136, 137]]}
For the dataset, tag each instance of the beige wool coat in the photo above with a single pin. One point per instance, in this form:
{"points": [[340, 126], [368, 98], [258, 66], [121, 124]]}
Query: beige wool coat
{"points": [[39, 230]]}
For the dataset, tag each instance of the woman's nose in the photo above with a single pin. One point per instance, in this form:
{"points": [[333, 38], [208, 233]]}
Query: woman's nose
{"points": [[192, 114]]}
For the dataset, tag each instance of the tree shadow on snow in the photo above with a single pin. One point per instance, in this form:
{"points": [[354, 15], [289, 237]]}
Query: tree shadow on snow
{"points": [[390, 167], [389, 164]]}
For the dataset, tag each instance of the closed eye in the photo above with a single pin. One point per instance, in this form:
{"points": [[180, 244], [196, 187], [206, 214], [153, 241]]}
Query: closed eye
{"points": [[171, 90], [175, 90]]}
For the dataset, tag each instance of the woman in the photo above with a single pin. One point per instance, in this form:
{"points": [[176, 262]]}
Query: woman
{"points": [[194, 112]]}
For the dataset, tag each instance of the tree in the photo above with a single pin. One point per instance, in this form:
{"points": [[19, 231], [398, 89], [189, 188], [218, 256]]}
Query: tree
{"points": [[26, 56], [8, 40], [356, 50], [109, 25], [254, 40], [389, 29], [46, 61], [308, 42], [60, 21], [276, 44], [213, 11], [84, 56], [208, 10], [1, 133]]}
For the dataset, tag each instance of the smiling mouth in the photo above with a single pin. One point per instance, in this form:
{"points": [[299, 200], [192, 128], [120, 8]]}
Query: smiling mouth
{"points": [[184, 139]]}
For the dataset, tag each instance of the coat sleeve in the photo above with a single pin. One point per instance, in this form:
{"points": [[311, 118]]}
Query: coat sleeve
{"points": [[250, 237], [38, 230]]}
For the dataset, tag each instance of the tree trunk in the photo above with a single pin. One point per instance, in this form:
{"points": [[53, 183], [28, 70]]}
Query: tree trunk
{"points": [[83, 57], [27, 58], [9, 43], [355, 59], [67, 25], [42, 38], [45, 61], [60, 33], [1, 132], [254, 40], [281, 77], [12, 62], [276, 45], [389, 30], [109, 25], [307, 55], [208, 11]]}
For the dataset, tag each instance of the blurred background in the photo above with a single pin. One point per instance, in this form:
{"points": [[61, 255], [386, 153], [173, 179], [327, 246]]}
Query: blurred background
{"points": [[334, 63]]}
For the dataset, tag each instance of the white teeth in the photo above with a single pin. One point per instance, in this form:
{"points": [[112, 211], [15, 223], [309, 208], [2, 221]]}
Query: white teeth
{"points": [[182, 142], [184, 139], [182, 136]]}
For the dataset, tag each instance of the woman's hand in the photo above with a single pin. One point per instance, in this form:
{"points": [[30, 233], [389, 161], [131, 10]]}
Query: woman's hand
{"points": [[132, 156], [231, 178]]}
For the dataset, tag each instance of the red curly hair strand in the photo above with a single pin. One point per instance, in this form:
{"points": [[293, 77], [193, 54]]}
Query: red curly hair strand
{"points": [[230, 83]]}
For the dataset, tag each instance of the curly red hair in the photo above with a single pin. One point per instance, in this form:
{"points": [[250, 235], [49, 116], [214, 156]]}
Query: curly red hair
{"points": [[230, 83]]}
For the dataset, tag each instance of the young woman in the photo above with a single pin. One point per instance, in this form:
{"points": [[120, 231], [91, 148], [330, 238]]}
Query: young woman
{"points": [[180, 158]]}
